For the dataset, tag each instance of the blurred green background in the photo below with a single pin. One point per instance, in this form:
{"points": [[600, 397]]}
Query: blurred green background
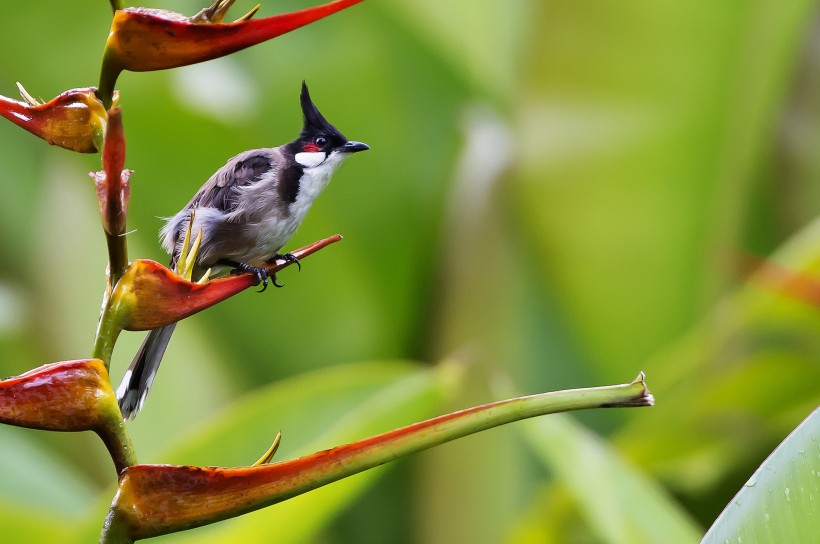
{"points": [[559, 194]]}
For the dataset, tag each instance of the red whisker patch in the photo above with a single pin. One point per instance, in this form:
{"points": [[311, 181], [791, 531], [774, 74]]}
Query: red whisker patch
{"points": [[311, 147]]}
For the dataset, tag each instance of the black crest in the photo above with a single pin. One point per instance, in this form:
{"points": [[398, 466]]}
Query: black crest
{"points": [[314, 122]]}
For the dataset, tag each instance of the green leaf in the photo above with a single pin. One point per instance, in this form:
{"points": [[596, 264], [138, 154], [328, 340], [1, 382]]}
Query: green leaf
{"points": [[551, 517], [42, 496], [482, 44], [314, 411], [638, 149], [31, 476], [779, 502], [22, 524], [758, 339], [620, 503]]}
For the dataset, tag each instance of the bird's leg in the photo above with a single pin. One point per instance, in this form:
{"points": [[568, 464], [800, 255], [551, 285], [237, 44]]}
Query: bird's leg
{"points": [[261, 274], [289, 257]]}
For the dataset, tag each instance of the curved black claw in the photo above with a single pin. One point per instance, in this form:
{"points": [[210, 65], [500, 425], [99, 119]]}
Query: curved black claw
{"points": [[289, 257], [264, 285], [273, 281], [260, 273]]}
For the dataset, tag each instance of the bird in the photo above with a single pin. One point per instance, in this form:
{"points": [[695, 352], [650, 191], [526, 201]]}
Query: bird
{"points": [[246, 211]]}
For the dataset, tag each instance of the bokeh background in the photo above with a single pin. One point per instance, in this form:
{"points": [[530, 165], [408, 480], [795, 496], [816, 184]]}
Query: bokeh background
{"points": [[559, 194]]}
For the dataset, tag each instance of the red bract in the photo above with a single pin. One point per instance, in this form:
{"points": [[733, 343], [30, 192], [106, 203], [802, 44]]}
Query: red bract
{"points": [[67, 396], [144, 39], [113, 190], [70, 396], [150, 295], [75, 119], [113, 193]]}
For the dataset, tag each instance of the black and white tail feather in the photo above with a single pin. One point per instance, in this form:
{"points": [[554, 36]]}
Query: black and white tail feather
{"points": [[141, 372]]}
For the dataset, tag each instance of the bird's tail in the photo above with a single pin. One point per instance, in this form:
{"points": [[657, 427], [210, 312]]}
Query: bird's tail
{"points": [[140, 375]]}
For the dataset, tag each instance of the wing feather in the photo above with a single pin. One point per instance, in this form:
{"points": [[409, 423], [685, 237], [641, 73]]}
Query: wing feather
{"points": [[221, 190]]}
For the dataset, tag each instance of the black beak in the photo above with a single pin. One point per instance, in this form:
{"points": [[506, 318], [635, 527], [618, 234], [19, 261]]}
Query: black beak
{"points": [[353, 147]]}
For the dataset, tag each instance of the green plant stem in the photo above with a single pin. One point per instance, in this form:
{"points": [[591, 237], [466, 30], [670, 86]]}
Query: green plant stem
{"points": [[112, 430], [115, 533], [116, 4], [115, 437], [350, 459], [108, 330], [117, 257], [109, 72], [153, 500]]}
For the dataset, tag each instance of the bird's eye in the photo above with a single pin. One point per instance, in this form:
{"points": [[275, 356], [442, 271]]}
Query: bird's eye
{"points": [[320, 141]]}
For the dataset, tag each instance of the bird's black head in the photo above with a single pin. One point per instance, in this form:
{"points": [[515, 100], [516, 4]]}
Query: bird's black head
{"points": [[318, 135]]}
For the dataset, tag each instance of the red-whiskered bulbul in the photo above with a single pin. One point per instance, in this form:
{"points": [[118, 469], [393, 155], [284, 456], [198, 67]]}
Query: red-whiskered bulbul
{"points": [[247, 211]]}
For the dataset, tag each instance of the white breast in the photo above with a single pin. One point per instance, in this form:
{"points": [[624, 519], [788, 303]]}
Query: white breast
{"points": [[275, 229]]}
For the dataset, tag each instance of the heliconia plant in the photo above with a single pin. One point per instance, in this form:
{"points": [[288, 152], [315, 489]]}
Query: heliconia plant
{"points": [[73, 396]]}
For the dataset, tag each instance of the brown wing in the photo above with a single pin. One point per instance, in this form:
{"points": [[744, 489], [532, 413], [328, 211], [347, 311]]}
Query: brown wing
{"points": [[220, 190]]}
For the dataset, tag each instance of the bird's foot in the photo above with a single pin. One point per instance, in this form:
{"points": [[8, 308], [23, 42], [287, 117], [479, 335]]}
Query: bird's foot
{"points": [[289, 257], [261, 274]]}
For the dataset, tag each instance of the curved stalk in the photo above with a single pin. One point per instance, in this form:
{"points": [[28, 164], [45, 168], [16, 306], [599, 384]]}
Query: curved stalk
{"points": [[153, 500]]}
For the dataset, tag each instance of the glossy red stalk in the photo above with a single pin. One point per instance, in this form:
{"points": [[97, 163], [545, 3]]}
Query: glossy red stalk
{"points": [[113, 194]]}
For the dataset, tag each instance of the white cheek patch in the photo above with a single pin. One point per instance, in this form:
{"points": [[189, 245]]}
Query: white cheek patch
{"points": [[311, 159]]}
